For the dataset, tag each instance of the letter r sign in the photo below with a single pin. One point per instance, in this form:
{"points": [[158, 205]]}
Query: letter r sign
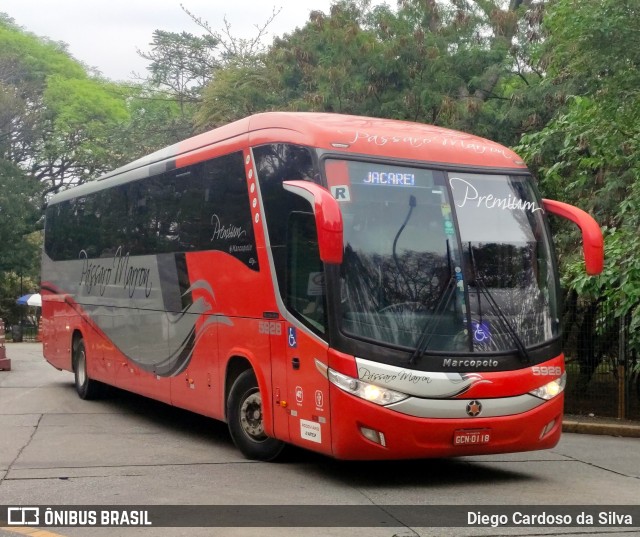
{"points": [[341, 192]]}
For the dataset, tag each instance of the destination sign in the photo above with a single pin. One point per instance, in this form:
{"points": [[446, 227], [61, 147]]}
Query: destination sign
{"points": [[390, 178]]}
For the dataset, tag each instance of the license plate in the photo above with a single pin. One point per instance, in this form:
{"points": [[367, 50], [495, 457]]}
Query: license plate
{"points": [[471, 437]]}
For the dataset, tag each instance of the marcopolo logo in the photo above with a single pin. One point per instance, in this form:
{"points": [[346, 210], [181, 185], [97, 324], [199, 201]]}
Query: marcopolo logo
{"points": [[470, 363]]}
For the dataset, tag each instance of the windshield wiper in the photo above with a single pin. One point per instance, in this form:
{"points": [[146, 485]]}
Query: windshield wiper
{"points": [[429, 329], [427, 333], [502, 318]]}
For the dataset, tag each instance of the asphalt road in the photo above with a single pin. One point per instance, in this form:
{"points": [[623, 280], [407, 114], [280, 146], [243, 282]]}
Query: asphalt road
{"points": [[56, 449]]}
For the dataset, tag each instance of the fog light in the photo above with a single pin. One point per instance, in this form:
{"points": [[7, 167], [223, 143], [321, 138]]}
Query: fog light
{"points": [[374, 436], [547, 429]]}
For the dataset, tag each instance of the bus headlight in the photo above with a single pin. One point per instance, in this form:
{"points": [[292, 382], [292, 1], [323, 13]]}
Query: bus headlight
{"points": [[551, 389], [364, 390]]}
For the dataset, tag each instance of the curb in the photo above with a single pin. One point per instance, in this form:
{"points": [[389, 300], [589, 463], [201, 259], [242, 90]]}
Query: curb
{"points": [[611, 428]]}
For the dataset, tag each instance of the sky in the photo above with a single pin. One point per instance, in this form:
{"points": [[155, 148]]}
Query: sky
{"points": [[106, 34]]}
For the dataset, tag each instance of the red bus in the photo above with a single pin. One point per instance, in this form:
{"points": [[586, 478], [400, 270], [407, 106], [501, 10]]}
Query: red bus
{"points": [[364, 288]]}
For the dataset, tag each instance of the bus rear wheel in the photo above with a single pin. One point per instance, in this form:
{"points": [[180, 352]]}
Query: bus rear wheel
{"points": [[86, 387], [245, 420]]}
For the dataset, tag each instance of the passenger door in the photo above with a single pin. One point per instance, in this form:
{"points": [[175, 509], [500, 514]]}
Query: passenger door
{"points": [[305, 338]]}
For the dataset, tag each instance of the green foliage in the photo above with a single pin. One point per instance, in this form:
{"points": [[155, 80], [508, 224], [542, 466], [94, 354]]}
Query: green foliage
{"points": [[593, 42], [230, 68], [55, 128], [19, 215], [617, 288], [34, 58], [238, 91], [77, 102], [589, 153], [181, 64], [79, 116], [455, 65], [57, 119], [19, 212], [154, 121]]}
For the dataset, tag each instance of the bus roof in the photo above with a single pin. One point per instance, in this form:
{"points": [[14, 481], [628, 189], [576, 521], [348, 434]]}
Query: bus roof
{"points": [[372, 136], [385, 138]]}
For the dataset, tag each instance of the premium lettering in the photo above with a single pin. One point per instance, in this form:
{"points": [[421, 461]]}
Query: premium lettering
{"points": [[489, 201]]}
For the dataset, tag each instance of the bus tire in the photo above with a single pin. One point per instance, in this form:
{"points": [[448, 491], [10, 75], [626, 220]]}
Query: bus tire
{"points": [[86, 387], [245, 420]]}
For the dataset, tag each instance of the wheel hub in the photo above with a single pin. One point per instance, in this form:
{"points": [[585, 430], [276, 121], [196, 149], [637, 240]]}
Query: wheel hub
{"points": [[251, 417]]}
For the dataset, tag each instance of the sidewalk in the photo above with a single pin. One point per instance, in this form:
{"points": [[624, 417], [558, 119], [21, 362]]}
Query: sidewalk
{"points": [[22, 353], [604, 426]]}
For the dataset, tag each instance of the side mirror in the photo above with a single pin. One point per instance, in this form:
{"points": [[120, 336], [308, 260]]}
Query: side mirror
{"points": [[592, 241], [328, 218]]}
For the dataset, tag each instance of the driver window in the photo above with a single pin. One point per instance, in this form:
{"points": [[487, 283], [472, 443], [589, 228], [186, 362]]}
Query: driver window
{"points": [[305, 275]]}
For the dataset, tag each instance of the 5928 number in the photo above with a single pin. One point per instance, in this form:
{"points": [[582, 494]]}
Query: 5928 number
{"points": [[270, 328], [544, 371]]}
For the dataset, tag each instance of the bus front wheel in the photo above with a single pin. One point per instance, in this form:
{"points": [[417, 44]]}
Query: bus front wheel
{"points": [[86, 387], [245, 420]]}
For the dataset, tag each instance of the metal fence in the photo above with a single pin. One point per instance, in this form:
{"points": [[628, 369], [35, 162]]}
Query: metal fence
{"points": [[19, 333], [603, 371]]}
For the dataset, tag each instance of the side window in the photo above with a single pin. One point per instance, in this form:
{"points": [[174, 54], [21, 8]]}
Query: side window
{"points": [[161, 218], [72, 226], [96, 223], [188, 194], [276, 163], [170, 209], [201, 207], [51, 226], [111, 212], [138, 216], [227, 224], [305, 273], [57, 224]]}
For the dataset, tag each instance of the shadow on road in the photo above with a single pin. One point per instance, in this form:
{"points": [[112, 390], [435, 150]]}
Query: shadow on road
{"points": [[434, 472], [164, 416], [402, 473]]}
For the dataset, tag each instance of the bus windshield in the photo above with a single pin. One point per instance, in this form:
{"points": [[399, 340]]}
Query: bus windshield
{"points": [[443, 261]]}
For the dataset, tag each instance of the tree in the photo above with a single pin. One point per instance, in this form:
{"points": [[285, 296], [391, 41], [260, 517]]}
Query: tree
{"points": [[457, 64], [19, 215], [19, 211], [56, 119], [181, 64], [236, 51], [589, 152], [56, 124], [238, 91], [154, 121], [76, 123]]}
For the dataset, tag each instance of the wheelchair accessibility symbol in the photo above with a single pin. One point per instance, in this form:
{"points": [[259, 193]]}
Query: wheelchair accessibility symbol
{"points": [[481, 331], [292, 337]]}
